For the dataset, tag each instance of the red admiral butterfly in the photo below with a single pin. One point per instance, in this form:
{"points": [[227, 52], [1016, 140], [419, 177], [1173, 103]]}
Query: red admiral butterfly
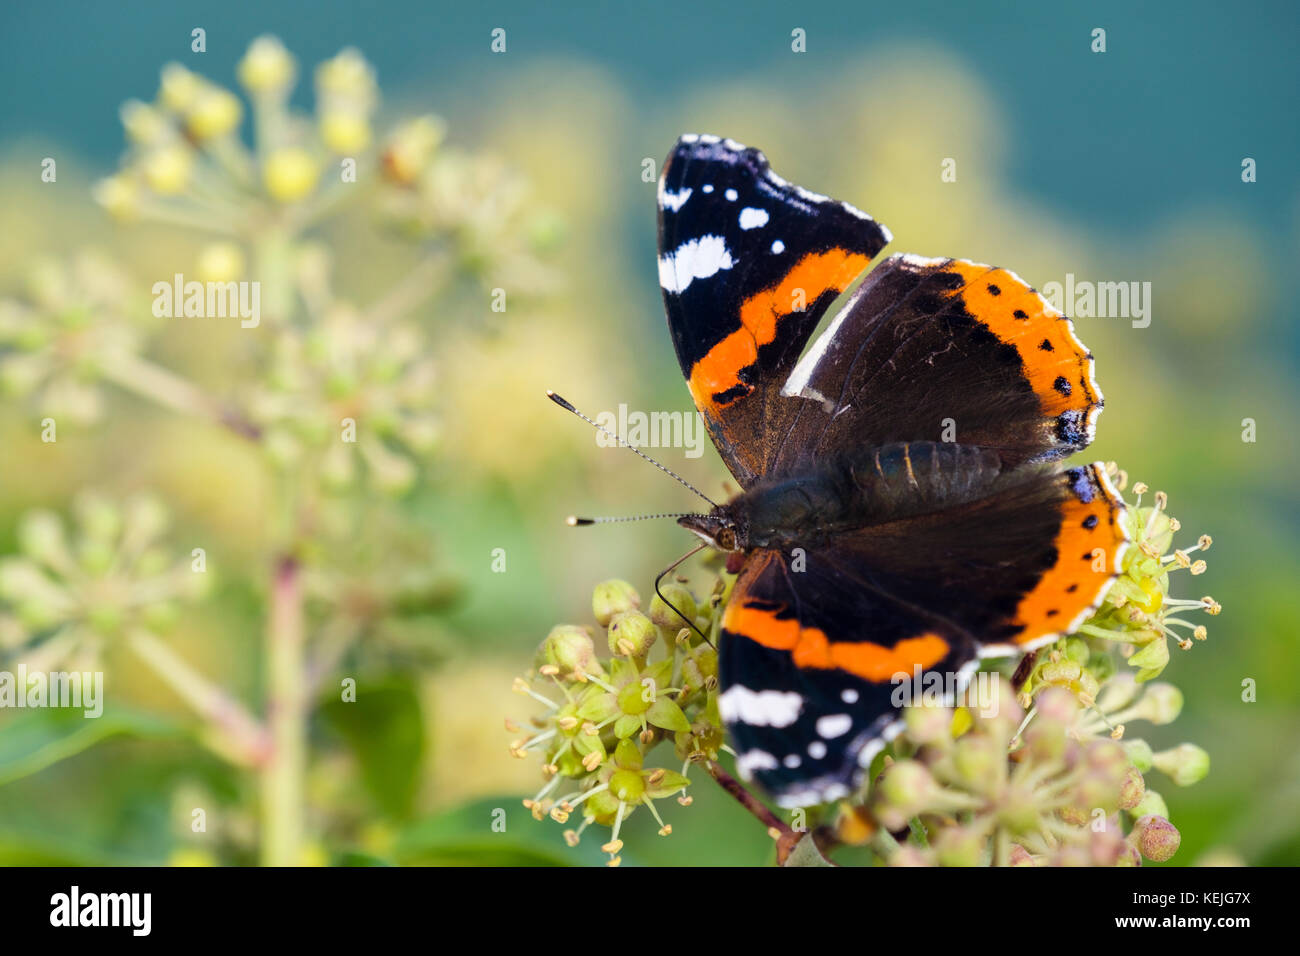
{"points": [[901, 509]]}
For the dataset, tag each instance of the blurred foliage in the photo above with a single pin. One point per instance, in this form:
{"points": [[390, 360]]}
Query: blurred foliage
{"points": [[1220, 349]]}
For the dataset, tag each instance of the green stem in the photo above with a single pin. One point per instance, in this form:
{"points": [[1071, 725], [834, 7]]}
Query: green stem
{"points": [[169, 390], [412, 290], [283, 774], [234, 733]]}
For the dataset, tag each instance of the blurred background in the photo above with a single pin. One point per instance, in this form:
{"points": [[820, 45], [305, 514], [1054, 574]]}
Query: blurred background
{"points": [[1117, 166]]}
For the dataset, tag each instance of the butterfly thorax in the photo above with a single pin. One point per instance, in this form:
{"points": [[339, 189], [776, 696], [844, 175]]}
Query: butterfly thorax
{"points": [[860, 489]]}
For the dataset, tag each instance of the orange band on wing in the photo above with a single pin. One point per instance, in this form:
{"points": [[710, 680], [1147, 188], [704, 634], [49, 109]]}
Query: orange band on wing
{"points": [[812, 276], [1089, 548], [1058, 366], [811, 648]]}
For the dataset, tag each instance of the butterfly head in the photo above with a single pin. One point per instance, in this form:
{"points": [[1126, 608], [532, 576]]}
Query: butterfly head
{"points": [[719, 528]]}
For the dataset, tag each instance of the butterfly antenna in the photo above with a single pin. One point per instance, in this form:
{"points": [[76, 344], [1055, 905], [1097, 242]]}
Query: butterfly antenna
{"points": [[574, 521], [663, 573], [558, 400]]}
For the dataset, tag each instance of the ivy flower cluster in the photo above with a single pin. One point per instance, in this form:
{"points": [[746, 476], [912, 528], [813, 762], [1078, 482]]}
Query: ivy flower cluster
{"points": [[336, 395], [604, 715], [73, 326], [1042, 773], [107, 575]]}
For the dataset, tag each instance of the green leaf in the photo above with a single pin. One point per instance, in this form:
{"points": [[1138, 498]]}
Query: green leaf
{"points": [[384, 729], [493, 832], [40, 739]]}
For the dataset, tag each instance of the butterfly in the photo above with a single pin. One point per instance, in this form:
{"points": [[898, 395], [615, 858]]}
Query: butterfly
{"points": [[903, 510]]}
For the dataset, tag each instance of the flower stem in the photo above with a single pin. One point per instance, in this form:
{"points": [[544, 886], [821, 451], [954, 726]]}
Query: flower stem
{"points": [[283, 773], [159, 385], [786, 838], [412, 290], [236, 734]]}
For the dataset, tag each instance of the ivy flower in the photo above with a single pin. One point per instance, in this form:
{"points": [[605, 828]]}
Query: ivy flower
{"points": [[1139, 613], [76, 326], [70, 589]]}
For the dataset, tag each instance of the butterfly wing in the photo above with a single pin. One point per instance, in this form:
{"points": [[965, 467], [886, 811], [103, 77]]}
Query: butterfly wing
{"points": [[811, 644], [748, 265], [943, 350]]}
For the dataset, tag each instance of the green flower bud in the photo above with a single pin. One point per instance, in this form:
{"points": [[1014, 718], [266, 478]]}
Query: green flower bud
{"points": [[632, 634], [1185, 764], [1150, 804], [928, 725], [1139, 753], [1161, 704], [40, 536], [104, 618], [904, 790], [100, 519], [36, 615], [95, 556], [1077, 650], [570, 649], [162, 617], [1018, 810], [613, 597], [667, 618], [978, 760], [959, 846]]}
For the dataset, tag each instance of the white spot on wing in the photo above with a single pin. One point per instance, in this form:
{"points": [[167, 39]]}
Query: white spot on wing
{"points": [[849, 696], [752, 760], [751, 218], [817, 750], [778, 247], [834, 725], [675, 201], [731, 195], [695, 259], [760, 708]]}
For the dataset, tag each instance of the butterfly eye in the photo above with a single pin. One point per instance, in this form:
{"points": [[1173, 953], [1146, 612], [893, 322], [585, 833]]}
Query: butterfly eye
{"points": [[726, 539]]}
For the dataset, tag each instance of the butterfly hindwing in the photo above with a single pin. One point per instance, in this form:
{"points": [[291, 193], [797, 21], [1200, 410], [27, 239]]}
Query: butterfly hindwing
{"points": [[806, 661], [812, 643], [748, 264]]}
